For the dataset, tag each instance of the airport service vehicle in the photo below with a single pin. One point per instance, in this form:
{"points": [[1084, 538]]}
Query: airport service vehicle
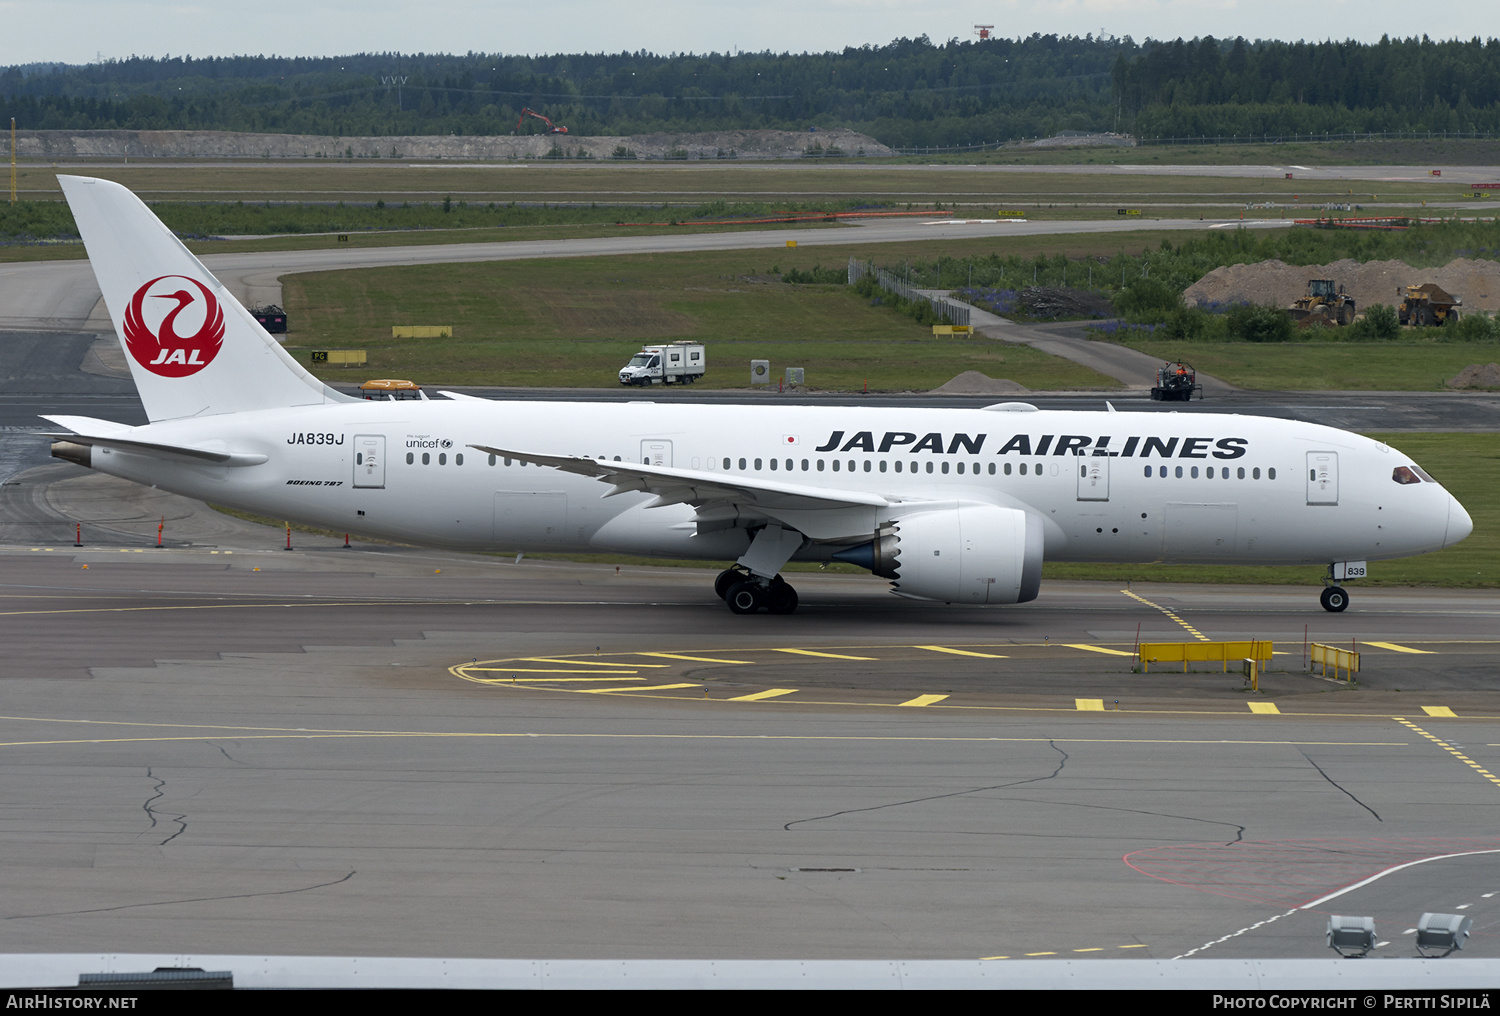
{"points": [[673, 363], [1175, 382], [953, 505]]}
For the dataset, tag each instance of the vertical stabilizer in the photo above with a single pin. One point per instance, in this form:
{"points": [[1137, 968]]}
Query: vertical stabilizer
{"points": [[192, 349]]}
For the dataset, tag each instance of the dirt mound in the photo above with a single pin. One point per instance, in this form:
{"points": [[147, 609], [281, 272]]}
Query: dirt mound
{"points": [[1477, 375], [971, 382], [1277, 284]]}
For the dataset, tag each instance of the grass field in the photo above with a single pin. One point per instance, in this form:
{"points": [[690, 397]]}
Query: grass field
{"points": [[574, 322], [695, 183], [1327, 366]]}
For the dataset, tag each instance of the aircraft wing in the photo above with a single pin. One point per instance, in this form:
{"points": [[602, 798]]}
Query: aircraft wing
{"points": [[818, 512]]}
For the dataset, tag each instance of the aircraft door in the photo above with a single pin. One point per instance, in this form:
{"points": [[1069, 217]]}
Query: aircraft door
{"points": [[656, 452], [369, 460], [1093, 478], [1322, 477]]}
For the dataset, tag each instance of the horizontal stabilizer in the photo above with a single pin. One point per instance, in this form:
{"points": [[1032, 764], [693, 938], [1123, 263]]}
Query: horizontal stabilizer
{"points": [[103, 433]]}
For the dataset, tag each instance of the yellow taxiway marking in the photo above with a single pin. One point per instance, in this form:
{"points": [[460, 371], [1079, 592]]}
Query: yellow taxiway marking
{"points": [[768, 693], [1399, 649], [1156, 606], [587, 663], [923, 700], [691, 659], [593, 676], [1042, 954], [1437, 711], [1481, 770], [1089, 705], [961, 652], [650, 687], [1265, 708], [540, 670], [1096, 649], [830, 656]]}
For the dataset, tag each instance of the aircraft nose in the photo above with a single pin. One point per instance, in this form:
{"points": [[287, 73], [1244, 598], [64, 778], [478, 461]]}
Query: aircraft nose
{"points": [[1459, 523]]}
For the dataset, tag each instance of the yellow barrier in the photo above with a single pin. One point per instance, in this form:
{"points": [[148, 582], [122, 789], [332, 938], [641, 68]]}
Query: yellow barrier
{"points": [[1203, 652], [950, 329], [1346, 660], [791, 243], [421, 331], [347, 357]]}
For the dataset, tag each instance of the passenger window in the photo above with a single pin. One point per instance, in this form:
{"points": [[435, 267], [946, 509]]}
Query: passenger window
{"points": [[442, 458], [1271, 473], [898, 465], [426, 459], [820, 465], [945, 469], [757, 464], [742, 463], [408, 458], [492, 460], [1023, 468], [867, 465], [992, 469], [789, 465], [882, 465], [1255, 473], [1195, 472], [835, 465], [929, 467], [1007, 469], [726, 463], [804, 465], [960, 469], [1179, 472], [1148, 472], [773, 463]]}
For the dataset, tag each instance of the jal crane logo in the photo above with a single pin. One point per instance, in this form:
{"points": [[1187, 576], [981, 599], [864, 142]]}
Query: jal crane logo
{"points": [[175, 308]]}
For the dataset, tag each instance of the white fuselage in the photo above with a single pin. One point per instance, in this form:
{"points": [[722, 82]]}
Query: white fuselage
{"points": [[1108, 486]]}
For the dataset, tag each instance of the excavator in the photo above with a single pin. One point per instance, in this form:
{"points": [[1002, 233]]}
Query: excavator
{"points": [[551, 127]]}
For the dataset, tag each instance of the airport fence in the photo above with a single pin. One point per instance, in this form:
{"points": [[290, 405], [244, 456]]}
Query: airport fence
{"points": [[955, 312]]}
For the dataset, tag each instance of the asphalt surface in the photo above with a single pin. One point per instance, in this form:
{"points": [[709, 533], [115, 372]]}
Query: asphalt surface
{"points": [[384, 751]]}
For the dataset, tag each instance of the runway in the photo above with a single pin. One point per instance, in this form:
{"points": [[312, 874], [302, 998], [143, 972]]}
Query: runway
{"points": [[394, 752]]}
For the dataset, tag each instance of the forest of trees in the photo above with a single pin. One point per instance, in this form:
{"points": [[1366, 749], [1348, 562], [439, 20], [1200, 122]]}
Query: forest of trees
{"points": [[909, 93]]}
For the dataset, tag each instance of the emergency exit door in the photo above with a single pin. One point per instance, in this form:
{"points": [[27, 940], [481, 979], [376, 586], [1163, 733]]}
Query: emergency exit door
{"points": [[1322, 477], [656, 452], [369, 460]]}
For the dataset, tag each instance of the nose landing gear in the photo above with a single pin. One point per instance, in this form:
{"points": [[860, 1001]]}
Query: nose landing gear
{"points": [[1334, 599]]}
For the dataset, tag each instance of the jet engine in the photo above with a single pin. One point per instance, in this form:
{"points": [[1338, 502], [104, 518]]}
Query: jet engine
{"points": [[972, 553]]}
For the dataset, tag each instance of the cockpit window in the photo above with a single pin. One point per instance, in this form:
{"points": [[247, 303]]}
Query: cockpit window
{"points": [[1422, 473], [1405, 474]]}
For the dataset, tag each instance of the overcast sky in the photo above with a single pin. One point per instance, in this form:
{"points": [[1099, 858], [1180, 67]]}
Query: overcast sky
{"points": [[79, 31]]}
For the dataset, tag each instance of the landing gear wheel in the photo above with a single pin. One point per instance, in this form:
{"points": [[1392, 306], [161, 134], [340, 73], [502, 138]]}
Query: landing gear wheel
{"points": [[726, 580], [781, 598], [745, 597], [1334, 599]]}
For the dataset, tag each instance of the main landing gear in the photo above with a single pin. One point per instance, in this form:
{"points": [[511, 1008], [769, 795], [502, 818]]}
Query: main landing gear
{"points": [[746, 593], [1334, 599]]}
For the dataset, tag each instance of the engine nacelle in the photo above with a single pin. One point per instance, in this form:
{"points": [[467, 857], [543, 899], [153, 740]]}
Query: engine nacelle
{"points": [[971, 553]]}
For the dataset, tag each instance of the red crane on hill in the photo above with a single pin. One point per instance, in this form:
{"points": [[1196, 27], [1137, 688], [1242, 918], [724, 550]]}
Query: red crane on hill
{"points": [[551, 127]]}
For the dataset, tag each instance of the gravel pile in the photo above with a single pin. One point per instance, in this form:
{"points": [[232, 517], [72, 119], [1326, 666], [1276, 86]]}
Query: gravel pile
{"points": [[1058, 301], [971, 382], [1477, 375], [1277, 284]]}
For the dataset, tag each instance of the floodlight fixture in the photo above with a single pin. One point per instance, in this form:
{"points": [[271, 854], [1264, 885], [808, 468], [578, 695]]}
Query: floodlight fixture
{"points": [[1351, 937], [1442, 931]]}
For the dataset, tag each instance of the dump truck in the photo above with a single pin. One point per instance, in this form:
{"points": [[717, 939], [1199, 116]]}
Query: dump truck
{"points": [[1323, 300], [672, 363], [1176, 382], [1427, 304]]}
